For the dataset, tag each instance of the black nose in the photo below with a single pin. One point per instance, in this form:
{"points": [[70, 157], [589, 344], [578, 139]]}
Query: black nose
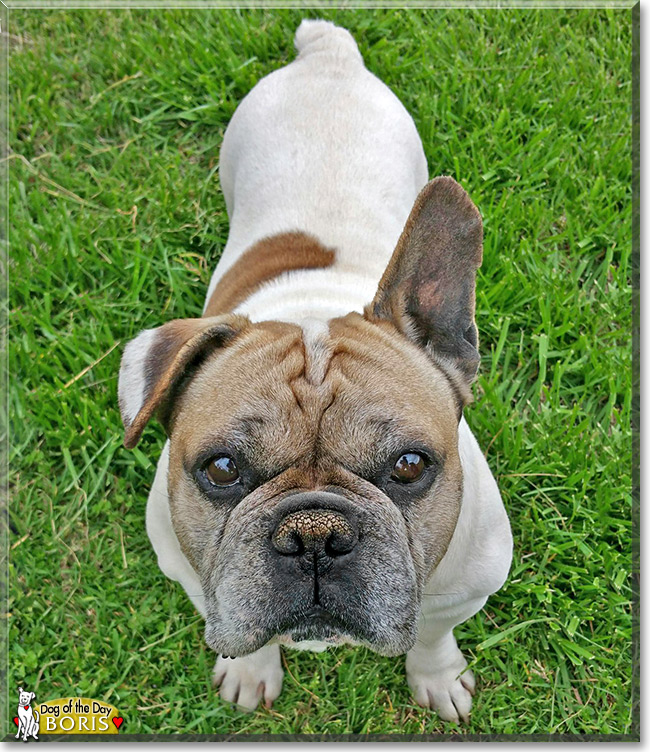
{"points": [[315, 531]]}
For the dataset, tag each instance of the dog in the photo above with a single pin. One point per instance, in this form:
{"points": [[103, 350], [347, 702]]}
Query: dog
{"points": [[28, 723], [319, 485]]}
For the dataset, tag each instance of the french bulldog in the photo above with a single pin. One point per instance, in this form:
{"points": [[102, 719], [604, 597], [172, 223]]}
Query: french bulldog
{"points": [[319, 485]]}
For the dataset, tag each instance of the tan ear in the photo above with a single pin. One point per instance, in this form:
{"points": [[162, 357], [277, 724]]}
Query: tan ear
{"points": [[428, 288], [154, 362]]}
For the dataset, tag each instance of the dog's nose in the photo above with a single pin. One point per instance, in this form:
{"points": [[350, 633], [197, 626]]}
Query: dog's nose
{"points": [[314, 531]]}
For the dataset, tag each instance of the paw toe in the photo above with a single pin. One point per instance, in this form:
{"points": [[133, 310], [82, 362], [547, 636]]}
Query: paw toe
{"points": [[248, 680], [248, 695], [469, 682], [448, 694], [442, 702], [462, 701]]}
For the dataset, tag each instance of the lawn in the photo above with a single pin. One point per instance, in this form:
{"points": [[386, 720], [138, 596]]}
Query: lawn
{"points": [[116, 221]]}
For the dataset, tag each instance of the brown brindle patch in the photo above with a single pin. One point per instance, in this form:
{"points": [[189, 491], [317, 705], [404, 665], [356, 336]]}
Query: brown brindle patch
{"points": [[264, 261]]}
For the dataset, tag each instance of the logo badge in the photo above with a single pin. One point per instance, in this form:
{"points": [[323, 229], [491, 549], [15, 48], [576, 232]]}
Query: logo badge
{"points": [[67, 715]]}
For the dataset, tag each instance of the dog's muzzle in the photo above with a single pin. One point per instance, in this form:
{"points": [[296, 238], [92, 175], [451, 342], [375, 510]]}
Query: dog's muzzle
{"points": [[325, 569]]}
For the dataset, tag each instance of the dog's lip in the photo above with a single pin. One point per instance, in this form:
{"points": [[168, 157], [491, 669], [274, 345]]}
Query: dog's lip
{"points": [[316, 618], [313, 624], [319, 613]]}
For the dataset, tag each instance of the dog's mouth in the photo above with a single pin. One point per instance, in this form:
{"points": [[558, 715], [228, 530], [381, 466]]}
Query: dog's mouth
{"points": [[315, 625], [318, 625]]}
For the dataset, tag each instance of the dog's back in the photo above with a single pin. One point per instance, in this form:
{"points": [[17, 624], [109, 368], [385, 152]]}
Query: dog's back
{"points": [[322, 146]]}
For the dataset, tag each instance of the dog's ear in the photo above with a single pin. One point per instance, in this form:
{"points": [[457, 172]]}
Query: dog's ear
{"points": [[428, 288], [32, 695], [155, 361], [20, 690]]}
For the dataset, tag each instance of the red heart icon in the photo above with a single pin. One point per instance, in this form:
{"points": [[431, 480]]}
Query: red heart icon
{"points": [[16, 721], [118, 721]]}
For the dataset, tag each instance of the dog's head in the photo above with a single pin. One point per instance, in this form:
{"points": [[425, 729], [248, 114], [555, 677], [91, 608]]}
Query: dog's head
{"points": [[24, 698], [314, 477]]}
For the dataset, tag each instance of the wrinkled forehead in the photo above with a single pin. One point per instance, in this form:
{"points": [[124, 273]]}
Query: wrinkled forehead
{"points": [[390, 385], [258, 383], [346, 383]]}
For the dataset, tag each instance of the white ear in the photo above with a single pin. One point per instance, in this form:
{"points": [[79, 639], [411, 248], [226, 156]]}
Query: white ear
{"points": [[156, 360], [32, 695], [20, 689], [131, 384]]}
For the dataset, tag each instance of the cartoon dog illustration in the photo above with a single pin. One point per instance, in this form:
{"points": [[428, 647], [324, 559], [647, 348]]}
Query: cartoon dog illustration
{"points": [[27, 716]]}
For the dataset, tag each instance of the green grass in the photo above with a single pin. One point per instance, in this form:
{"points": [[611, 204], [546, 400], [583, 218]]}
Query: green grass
{"points": [[117, 220]]}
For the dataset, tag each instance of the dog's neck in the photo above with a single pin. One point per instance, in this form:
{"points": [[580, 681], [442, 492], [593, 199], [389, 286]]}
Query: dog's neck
{"points": [[310, 295], [291, 277]]}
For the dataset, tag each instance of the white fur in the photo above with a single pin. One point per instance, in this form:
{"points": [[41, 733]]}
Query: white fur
{"points": [[132, 379], [323, 146], [321, 294], [171, 559], [315, 335]]}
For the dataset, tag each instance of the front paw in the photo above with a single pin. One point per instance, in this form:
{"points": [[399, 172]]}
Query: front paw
{"points": [[248, 680], [446, 691]]}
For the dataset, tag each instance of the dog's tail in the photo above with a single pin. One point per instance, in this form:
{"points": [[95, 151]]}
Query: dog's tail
{"points": [[324, 36]]}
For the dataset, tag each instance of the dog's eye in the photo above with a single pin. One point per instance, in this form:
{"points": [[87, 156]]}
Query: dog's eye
{"points": [[408, 468], [222, 471]]}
